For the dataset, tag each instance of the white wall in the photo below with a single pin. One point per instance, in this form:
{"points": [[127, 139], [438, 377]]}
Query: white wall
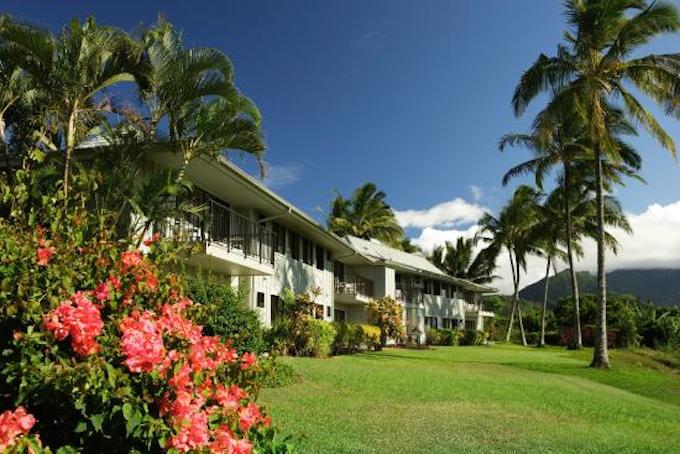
{"points": [[297, 276], [382, 277]]}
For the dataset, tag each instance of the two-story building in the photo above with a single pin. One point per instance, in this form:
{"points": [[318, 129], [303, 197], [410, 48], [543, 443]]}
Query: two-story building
{"points": [[430, 297], [263, 244]]}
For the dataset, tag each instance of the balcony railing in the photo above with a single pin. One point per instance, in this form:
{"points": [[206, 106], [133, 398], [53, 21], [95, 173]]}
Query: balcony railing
{"points": [[355, 285], [412, 296], [225, 227]]}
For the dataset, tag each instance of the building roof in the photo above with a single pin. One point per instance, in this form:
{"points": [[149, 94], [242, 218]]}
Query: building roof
{"points": [[408, 262]]}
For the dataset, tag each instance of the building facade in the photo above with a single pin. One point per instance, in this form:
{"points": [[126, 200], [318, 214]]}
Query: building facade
{"points": [[259, 242]]}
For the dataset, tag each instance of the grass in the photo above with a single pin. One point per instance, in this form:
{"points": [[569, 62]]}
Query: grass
{"points": [[479, 399]]}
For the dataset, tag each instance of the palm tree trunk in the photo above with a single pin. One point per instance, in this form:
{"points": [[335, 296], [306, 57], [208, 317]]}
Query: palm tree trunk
{"points": [[577, 341], [70, 145], [541, 342], [600, 355], [519, 307], [514, 297]]}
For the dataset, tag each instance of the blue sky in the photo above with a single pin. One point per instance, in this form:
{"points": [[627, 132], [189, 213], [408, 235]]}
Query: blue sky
{"points": [[411, 95]]}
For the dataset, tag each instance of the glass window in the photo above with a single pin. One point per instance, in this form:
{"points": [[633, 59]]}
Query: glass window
{"points": [[320, 258], [280, 232], [328, 311], [339, 315], [295, 246], [260, 299]]}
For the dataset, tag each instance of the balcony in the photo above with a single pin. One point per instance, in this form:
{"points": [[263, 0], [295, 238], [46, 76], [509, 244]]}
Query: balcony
{"points": [[353, 289], [230, 242], [409, 296]]}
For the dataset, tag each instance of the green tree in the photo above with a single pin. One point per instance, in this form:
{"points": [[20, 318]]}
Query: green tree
{"points": [[565, 144], [460, 260], [387, 314], [511, 230], [72, 71], [191, 101], [365, 215], [592, 69]]}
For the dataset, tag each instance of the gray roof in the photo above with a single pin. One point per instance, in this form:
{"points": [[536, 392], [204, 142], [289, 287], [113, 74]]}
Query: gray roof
{"points": [[405, 261]]}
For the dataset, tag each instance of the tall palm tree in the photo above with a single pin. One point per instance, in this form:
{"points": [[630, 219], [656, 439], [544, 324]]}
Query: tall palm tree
{"points": [[549, 236], [460, 260], [191, 100], [595, 68], [511, 230], [565, 144], [72, 70], [365, 215]]}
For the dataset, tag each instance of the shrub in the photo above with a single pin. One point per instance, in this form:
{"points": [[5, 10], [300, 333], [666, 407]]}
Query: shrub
{"points": [[450, 337], [474, 337], [298, 332], [348, 338], [387, 314], [432, 336], [371, 336], [274, 374], [320, 337], [222, 312], [98, 343]]}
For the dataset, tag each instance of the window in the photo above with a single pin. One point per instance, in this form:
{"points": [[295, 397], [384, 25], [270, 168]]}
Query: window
{"points": [[339, 315], [446, 323], [431, 322], [339, 271], [276, 307], [320, 258], [318, 311], [295, 246], [280, 232], [328, 311], [260, 299], [427, 287], [307, 251], [470, 324], [437, 288]]}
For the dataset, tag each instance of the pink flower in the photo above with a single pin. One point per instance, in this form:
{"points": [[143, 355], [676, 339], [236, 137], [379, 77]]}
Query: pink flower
{"points": [[130, 259], [14, 424], [229, 398], [102, 292], [248, 360], [193, 433], [141, 342], [225, 442], [44, 255], [82, 322], [249, 416], [115, 282], [155, 237]]}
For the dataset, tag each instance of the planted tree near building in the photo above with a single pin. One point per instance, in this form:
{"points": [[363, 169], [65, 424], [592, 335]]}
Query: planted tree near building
{"points": [[387, 314]]}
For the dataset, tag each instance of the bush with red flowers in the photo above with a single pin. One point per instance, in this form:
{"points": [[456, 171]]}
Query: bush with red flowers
{"points": [[100, 351]]}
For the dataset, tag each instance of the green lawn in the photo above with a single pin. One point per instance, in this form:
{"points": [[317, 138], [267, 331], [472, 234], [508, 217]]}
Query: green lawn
{"points": [[479, 399]]}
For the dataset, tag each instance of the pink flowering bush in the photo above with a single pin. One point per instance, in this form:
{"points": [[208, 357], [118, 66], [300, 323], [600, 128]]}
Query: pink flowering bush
{"points": [[100, 345]]}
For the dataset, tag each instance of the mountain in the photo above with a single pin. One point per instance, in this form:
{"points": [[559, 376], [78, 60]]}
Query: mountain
{"points": [[661, 286]]}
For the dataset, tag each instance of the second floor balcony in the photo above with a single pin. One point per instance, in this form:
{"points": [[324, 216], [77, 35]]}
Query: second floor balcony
{"points": [[353, 289], [231, 242]]}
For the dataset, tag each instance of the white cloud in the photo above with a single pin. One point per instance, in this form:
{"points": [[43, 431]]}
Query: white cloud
{"points": [[447, 214], [279, 176], [655, 243], [477, 192]]}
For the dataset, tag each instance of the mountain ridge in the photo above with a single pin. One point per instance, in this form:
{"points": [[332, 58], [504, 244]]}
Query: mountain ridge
{"points": [[659, 285]]}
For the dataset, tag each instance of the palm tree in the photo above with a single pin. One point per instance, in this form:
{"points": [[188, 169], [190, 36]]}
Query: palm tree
{"points": [[590, 71], [565, 144], [191, 101], [365, 215], [511, 230], [459, 260], [72, 71]]}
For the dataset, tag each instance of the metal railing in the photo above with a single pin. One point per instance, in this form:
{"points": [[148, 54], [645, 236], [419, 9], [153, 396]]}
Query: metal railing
{"points": [[225, 227], [354, 285]]}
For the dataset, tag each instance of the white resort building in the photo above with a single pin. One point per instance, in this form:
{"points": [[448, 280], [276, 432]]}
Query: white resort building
{"points": [[263, 244]]}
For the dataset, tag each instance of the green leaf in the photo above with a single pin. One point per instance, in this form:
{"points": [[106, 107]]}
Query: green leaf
{"points": [[81, 427], [127, 411], [97, 421]]}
